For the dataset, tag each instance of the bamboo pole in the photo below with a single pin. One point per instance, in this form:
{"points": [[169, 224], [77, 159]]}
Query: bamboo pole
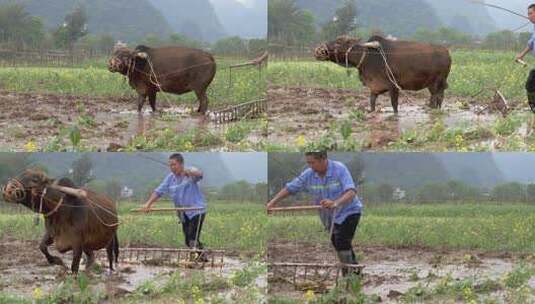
{"points": [[167, 209]]}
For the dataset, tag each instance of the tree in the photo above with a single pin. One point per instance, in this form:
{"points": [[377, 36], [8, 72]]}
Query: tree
{"points": [[289, 25], [343, 22], [509, 192], [18, 28], [230, 46], [73, 28], [82, 170]]}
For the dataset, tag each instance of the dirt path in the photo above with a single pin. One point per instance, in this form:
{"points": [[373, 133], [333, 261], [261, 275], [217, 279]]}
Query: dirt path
{"points": [[392, 272], [296, 111]]}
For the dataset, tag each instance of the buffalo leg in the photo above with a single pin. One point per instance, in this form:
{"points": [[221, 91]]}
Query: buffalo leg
{"points": [[203, 101], [90, 259], [152, 101], [109, 253], [439, 97], [76, 257], [394, 96], [43, 246], [140, 102], [373, 99]]}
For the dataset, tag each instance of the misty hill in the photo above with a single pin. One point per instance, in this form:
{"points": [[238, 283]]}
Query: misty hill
{"points": [[195, 19], [240, 20], [464, 16], [400, 18], [126, 20], [417, 169], [403, 18], [517, 166], [139, 170]]}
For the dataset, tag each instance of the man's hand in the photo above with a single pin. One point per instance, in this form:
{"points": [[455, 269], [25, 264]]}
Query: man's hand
{"points": [[146, 207], [271, 204], [327, 203], [520, 56]]}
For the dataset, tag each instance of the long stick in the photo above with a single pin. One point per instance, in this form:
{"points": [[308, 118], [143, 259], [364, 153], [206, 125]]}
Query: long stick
{"points": [[498, 7], [294, 208], [167, 209]]}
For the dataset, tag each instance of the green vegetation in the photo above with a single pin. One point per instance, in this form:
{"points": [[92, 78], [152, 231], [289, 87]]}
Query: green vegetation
{"points": [[477, 226], [231, 226]]}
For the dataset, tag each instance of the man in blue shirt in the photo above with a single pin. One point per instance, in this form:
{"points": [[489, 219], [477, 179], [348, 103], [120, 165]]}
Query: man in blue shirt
{"points": [[530, 48], [331, 185], [182, 186]]}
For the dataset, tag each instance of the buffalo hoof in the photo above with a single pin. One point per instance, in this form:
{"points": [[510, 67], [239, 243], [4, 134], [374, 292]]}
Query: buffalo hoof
{"points": [[54, 260]]}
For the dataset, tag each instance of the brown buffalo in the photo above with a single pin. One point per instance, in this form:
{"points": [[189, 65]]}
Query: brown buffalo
{"points": [[75, 219], [414, 66], [176, 70]]}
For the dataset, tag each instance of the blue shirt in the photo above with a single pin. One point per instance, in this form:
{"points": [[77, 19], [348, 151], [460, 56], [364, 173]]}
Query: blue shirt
{"points": [[184, 191], [531, 42], [333, 185]]}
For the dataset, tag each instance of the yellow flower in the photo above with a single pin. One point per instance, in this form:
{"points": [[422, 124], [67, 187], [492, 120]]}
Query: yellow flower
{"points": [[30, 146], [38, 293], [309, 295], [300, 141]]}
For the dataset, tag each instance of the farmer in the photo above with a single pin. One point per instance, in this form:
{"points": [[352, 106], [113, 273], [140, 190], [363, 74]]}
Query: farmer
{"points": [[333, 188], [183, 187], [530, 48]]}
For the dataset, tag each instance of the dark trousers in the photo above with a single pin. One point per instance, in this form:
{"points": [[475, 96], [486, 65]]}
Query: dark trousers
{"points": [[343, 233], [530, 88], [192, 230]]}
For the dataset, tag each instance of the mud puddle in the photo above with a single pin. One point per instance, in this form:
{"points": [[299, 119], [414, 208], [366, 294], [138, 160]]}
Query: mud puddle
{"points": [[308, 112], [22, 274], [104, 123], [391, 272]]}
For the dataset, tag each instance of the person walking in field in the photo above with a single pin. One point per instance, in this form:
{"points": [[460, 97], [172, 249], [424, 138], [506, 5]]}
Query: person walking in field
{"points": [[182, 186], [331, 185], [530, 48]]}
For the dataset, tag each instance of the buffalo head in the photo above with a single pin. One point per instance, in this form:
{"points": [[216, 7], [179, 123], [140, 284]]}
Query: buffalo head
{"points": [[123, 58], [336, 51], [28, 187]]}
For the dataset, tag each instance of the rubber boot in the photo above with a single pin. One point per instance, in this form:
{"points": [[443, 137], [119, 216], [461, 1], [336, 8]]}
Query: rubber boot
{"points": [[346, 257], [531, 101]]}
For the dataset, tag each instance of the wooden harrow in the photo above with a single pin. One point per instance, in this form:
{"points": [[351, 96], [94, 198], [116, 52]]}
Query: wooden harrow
{"points": [[307, 275], [177, 257], [186, 258], [310, 275], [250, 109]]}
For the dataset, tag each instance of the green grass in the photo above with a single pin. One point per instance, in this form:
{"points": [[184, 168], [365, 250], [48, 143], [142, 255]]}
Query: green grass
{"points": [[471, 72], [485, 227], [230, 226], [93, 79]]}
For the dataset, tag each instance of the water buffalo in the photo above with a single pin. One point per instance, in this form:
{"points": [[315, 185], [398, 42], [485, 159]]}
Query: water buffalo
{"points": [[75, 219], [176, 70], [411, 66]]}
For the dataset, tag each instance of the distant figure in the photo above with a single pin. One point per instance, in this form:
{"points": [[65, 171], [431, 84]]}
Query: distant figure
{"points": [[183, 187], [530, 48], [332, 186]]}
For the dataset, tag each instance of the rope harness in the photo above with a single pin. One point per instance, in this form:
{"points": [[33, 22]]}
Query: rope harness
{"points": [[15, 191]]}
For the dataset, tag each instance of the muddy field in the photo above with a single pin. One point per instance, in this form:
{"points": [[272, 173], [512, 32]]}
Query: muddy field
{"points": [[24, 269], [310, 112], [391, 273], [106, 124]]}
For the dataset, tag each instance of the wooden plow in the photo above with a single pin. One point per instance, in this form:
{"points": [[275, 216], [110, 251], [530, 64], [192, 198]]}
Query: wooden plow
{"points": [[246, 110], [259, 62], [310, 275]]}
